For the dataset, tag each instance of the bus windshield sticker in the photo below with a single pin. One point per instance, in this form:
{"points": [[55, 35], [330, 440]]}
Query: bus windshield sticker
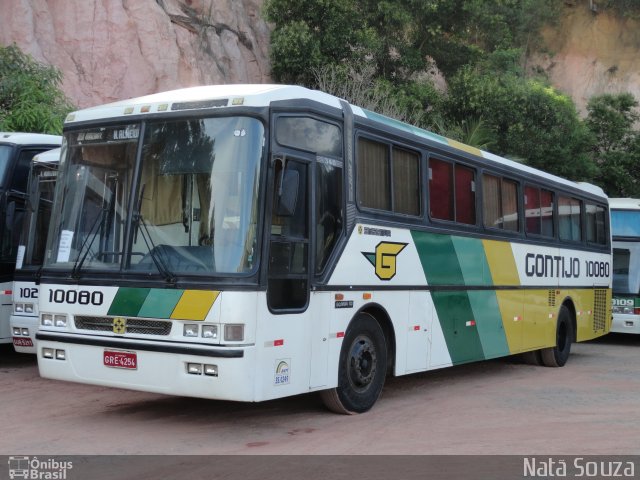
{"points": [[64, 250], [20, 257]]}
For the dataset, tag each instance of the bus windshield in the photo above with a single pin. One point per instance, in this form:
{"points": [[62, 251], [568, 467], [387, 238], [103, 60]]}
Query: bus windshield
{"points": [[5, 153], [193, 210], [625, 223], [34, 227]]}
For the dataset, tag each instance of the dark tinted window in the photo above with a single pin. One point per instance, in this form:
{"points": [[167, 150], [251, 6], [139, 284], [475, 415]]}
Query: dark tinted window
{"points": [[596, 224], [310, 135]]}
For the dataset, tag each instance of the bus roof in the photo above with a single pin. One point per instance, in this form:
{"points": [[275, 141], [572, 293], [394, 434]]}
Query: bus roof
{"points": [[262, 95], [50, 156], [20, 138], [624, 203]]}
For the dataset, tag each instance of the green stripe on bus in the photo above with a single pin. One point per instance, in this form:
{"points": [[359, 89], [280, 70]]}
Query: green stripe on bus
{"points": [[438, 258], [460, 333], [392, 122], [472, 261], [471, 320], [486, 313], [128, 301], [160, 303]]}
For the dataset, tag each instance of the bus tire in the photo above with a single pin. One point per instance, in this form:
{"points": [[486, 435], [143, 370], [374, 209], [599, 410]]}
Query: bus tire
{"points": [[362, 368], [557, 356]]}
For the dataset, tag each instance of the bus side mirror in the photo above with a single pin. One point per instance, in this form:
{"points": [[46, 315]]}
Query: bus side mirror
{"points": [[288, 193]]}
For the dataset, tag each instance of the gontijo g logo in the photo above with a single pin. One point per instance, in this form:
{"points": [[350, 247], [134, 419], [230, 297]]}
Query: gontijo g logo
{"points": [[384, 259]]}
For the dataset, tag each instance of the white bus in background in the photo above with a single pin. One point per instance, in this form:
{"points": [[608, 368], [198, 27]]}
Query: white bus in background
{"points": [[625, 230], [16, 152], [42, 182]]}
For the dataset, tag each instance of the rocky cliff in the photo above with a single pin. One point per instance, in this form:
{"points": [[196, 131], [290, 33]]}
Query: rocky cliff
{"points": [[592, 52], [115, 49]]}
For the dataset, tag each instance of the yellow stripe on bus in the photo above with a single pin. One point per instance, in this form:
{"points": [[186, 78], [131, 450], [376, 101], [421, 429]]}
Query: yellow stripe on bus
{"points": [[194, 305], [501, 263], [465, 148]]}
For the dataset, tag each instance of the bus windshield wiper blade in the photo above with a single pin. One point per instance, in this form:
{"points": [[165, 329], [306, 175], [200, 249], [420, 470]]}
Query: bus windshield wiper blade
{"points": [[153, 253], [151, 247], [75, 271]]}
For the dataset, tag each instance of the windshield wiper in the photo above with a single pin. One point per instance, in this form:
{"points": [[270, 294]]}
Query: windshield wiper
{"points": [[91, 236], [151, 247]]}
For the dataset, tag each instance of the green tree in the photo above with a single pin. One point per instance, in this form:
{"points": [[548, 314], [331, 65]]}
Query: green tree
{"points": [[30, 95], [616, 150], [530, 120]]}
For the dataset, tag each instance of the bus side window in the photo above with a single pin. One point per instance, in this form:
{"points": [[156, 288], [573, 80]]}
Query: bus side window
{"points": [[569, 212], [500, 203]]}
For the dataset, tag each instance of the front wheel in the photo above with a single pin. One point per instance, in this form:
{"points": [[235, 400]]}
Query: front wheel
{"points": [[362, 368], [557, 356]]}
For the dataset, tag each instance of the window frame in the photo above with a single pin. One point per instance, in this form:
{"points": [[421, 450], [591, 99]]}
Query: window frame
{"points": [[390, 146], [519, 232], [454, 165], [582, 229], [554, 212]]}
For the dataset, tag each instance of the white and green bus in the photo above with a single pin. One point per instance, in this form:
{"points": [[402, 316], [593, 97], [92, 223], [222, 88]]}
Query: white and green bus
{"points": [[625, 231], [250, 242], [17, 149], [41, 186]]}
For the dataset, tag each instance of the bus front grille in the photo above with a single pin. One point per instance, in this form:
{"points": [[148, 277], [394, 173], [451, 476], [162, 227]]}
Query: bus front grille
{"points": [[599, 309], [131, 325]]}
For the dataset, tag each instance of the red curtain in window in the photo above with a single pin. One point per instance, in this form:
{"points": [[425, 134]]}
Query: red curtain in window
{"points": [[441, 189], [465, 195], [532, 209]]}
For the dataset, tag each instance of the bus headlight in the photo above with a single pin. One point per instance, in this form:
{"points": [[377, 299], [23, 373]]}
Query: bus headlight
{"points": [[210, 331], [18, 307], [46, 320], [234, 332], [190, 330], [60, 320], [28, 308]]}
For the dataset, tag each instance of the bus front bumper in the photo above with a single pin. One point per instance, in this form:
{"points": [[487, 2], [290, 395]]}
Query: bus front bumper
{"points": [[625, 323], [23, 329], [171, 368]]}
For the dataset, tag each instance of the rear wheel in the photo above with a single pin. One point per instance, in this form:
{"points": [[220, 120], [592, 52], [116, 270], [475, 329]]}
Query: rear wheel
{"points": [[557, 356], [362, 368]]}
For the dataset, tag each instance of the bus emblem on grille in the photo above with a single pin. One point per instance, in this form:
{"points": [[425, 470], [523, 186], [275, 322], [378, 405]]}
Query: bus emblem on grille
{"points": [[119, 325]]}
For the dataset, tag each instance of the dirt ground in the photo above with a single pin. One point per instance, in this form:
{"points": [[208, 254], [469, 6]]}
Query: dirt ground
{"points": [[591, 406]]}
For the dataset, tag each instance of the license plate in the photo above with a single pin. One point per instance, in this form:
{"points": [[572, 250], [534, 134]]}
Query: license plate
{"points": [[22, 342], [116, 359]]}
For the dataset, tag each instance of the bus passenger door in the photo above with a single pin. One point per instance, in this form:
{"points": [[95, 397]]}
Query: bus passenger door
{"points": [[288, 273], [288, 277]]}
